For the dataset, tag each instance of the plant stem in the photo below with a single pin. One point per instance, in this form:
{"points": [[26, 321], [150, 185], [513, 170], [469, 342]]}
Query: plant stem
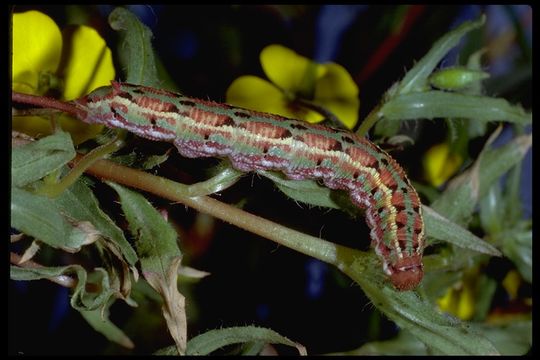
{"points": [[340, 256], [45, 102], [53, 190], [369, 121]]}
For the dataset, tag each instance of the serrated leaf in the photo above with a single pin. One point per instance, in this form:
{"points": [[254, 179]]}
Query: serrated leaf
{"points": [[79, 202], [160, 258], [212, 340], [82, 299], [458, 201], [305, 191], [497, 161], [105, 326], [310, 192], [37, 159], [441, 333], [38, 216], [416, 78], [439, 227], [440, 104], [136, 55]]}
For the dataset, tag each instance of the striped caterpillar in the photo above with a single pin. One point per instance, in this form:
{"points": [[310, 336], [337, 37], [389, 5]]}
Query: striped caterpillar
{"points": [[259, 141]]}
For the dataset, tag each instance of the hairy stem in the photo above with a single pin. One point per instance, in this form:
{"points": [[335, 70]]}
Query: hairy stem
{"points": [[53, 190], [368, 122], [340, 256], [46, 102]]}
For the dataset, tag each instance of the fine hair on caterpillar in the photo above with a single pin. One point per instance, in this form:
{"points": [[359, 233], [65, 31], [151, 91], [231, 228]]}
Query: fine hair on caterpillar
{"points": [[255, 141]]}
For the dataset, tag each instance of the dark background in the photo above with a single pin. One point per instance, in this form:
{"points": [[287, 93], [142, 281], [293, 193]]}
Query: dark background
{"points": [[254, 281]]}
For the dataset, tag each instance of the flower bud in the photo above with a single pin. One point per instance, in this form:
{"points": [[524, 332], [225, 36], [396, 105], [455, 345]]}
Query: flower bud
{"points": [[456, 78]]}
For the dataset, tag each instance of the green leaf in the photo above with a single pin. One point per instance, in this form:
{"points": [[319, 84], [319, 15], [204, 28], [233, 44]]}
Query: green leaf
{"points": [[91, 291], [154, 160], [474, 62], [79, 203], [252, 348], [310, 192], [497, 161], [416, 78], [136, 54], [440, 104], [224, 177], [511, 200], [39, 217], [212, 340], [486, 288], [439, 227], [463, 193], [492, 210], [34, 160], [160, 257], [101, 323], [517, 246], [387, 128], [460, 199], [512, 338], [403, 344], [441, 333]]}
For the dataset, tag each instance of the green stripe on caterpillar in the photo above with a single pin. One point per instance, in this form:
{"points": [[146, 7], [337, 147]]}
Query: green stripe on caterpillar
{"points": [[259, 141]]}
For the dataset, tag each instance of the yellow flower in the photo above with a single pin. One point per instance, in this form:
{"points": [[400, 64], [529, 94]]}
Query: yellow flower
{"points": [[460, 301], [511, 284], [440, 164], [72, 62], [299, 87]]}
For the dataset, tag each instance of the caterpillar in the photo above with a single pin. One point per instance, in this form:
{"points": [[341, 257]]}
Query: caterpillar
{"points": [[259, 141]]}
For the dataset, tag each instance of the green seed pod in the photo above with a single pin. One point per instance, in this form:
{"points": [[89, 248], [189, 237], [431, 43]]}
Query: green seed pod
{"points": [[456, 78]]}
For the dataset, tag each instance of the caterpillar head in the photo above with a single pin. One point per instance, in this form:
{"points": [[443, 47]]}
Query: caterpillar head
{"points": [[407, 273]]}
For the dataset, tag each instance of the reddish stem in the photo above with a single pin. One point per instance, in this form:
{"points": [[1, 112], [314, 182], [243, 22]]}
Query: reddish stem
{"points": [[46, 102]]}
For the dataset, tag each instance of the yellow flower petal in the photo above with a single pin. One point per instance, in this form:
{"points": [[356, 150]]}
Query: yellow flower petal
{"points": [[254, 93], [89, 66], [466, 303], [79, 131], [288, 70], [458, 302], [440, 165], [35, 126], [308, 115], [335, 82], [511, 283], [329, 86], [89, 63], [337, 92], [37, 47]]}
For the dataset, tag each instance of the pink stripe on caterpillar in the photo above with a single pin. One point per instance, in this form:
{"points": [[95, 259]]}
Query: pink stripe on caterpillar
{"points": [[258, 141]]}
